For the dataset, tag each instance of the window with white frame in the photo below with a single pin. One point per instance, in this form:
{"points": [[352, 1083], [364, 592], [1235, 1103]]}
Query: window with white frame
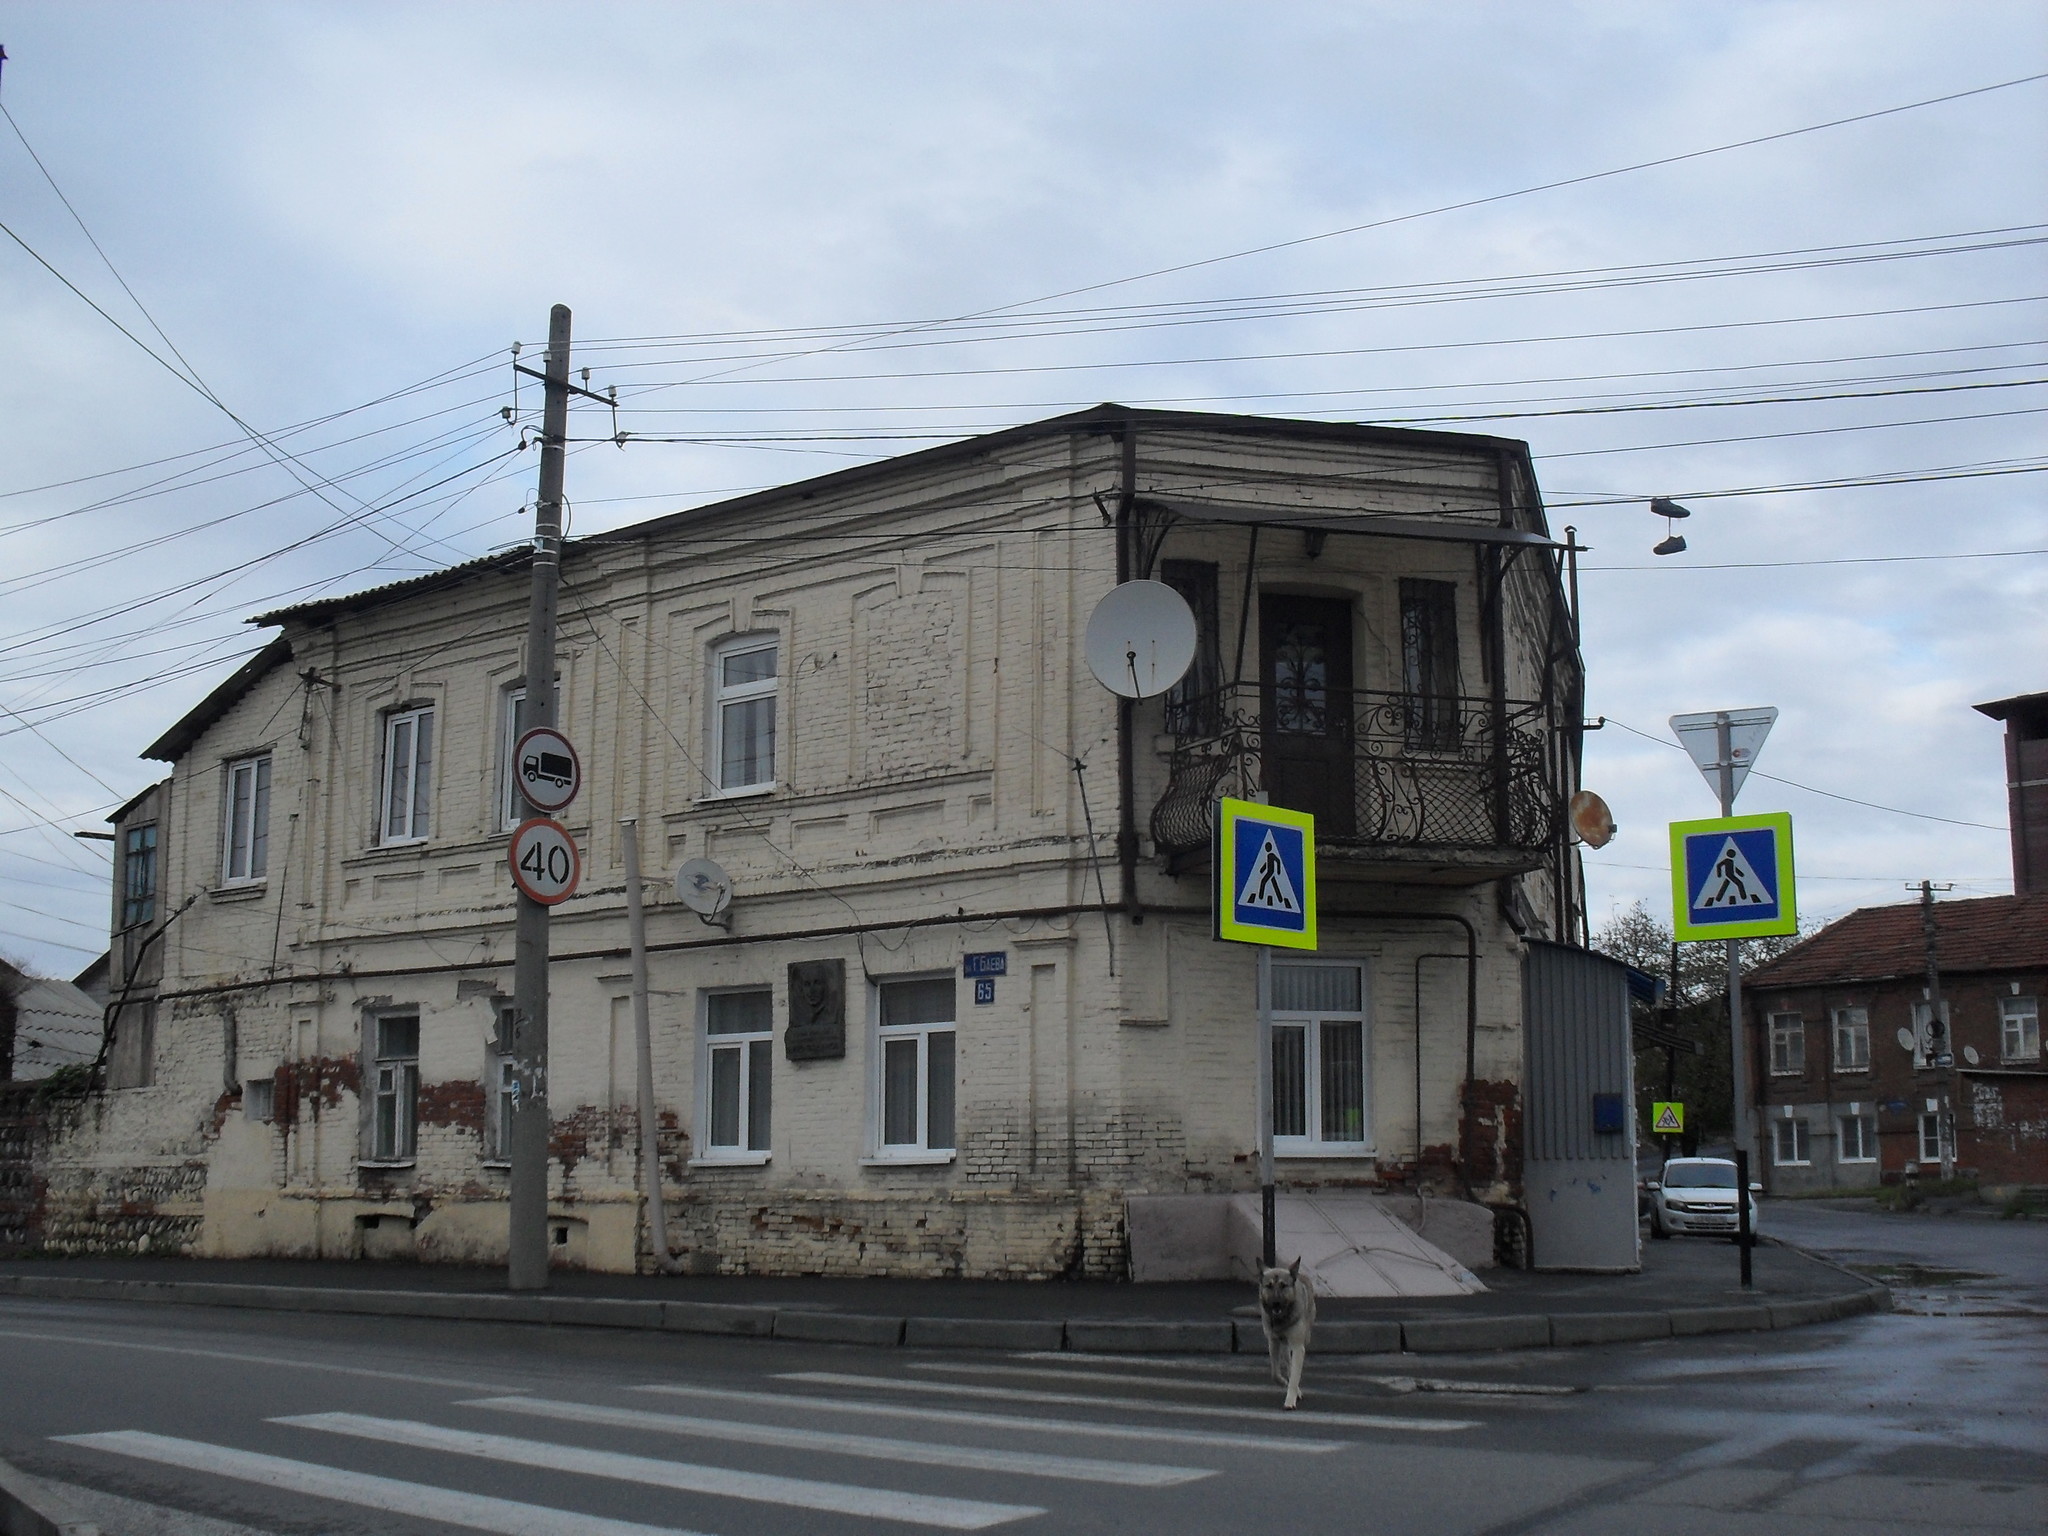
{"points": [[1859, 1139], [2019, 1029], [1789, 1143], [407, 789], [501, 1095], [914, 1094], [259, 1098], [245, 835], [1852, 1039], [738, 1075], [1319, 1090], [395, 1086], [1788, 1045], [1932, 1140], [1929, 1043], [512, 808], [743, 683]]}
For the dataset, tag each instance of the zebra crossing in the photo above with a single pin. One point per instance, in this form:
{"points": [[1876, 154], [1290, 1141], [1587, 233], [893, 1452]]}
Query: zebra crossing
{"points": [[686, 1458]]}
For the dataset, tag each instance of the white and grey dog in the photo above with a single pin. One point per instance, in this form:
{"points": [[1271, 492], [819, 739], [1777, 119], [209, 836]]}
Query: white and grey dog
{"points": [[1287, 1306]]}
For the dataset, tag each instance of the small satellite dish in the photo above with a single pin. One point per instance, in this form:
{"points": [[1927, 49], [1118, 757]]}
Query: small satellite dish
{"points": [[1905, 1038], [1591, 819], [703, 887], [1970, 1055], [1141, 639]]}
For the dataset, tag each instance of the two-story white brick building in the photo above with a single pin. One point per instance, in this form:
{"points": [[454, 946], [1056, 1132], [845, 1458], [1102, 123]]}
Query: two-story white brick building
{"points": [[864, 696]]}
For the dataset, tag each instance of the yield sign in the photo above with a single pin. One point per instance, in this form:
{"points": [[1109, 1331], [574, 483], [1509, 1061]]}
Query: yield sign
{"points": [[1700, 735]]}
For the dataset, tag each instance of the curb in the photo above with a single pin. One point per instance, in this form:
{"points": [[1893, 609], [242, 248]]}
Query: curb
{"points": [[1343, 1336], [27, 1508]]}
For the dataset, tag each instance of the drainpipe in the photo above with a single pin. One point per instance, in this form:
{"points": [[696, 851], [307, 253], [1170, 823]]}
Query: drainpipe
{"points": [[643, 1045], [1126, 709]]}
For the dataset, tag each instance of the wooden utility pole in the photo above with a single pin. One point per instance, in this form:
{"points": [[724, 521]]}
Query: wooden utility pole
{"points": [[532, 1124]]}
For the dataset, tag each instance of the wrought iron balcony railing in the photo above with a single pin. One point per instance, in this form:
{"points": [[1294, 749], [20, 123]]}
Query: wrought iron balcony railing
{"points": [[1388, 770]]}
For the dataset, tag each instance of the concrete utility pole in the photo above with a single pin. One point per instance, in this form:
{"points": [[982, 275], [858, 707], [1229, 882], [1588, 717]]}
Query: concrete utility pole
{"points": [[1936, 1046], [1738, 1031], [532, 1124], [643, 1052]]}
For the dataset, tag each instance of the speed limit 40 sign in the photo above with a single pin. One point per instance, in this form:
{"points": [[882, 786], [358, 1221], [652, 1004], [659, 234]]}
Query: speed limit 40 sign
{"points": [[545, 863]]}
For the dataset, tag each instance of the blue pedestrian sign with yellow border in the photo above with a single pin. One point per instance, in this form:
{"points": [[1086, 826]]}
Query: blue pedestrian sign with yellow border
{"points": [[1265, 875], [1731, 878]]}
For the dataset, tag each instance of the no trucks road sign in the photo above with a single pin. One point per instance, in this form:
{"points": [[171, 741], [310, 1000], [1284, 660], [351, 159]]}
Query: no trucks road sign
{"points": [[1731, 878], [1265, 872]]}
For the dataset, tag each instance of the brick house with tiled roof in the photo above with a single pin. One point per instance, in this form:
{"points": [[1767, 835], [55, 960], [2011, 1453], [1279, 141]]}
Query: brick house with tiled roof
{"points": [[1855, 1087]]}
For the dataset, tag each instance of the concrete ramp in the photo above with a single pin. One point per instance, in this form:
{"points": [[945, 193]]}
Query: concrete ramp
{"points": [[1349, 1242]]}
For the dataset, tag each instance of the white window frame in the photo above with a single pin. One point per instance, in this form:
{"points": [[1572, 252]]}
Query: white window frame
{"points": [[416, 826], [1936, 1119], [259, 1099], [395, 1077], [1866, 1139], [1788, 1030], [255, 850], [1802, 1142], [1923, 1012], [723, 697], [879, 1037], [512, 807], [741, 1043], [500, 1094], [1851, 1024], [2019, 1029], [1316, 1143]]}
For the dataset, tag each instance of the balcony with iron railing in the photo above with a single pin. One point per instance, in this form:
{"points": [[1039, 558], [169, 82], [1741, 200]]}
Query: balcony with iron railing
{"points": [[1454, 787]]}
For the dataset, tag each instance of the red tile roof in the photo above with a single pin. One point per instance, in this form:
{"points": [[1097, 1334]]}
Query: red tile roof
{"points": [[1986, 933]]}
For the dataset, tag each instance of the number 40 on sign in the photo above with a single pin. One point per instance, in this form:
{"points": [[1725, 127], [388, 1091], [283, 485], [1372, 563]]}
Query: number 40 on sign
{"points": [[545, 863]]}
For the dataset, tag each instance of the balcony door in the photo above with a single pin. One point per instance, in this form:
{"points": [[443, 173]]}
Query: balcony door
{"points": [[1306, 708]]}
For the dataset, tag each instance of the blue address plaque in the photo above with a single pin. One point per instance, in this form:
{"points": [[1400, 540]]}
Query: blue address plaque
{"points": [[995, 962]]}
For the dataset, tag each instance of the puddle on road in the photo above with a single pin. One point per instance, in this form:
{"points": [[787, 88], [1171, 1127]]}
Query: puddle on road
{"points": [[1919, 1275]]}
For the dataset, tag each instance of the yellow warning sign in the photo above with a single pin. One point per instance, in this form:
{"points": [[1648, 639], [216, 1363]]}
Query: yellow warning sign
{"points": [[1667, 1118]]}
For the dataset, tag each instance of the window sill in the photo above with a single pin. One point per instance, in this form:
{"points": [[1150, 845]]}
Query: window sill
{"points": [[241, 890], [1346, 1151], [733, 1160], [495, 1164], [908, 1159], [1847, 1160], [746, 792], [399, 1162]]}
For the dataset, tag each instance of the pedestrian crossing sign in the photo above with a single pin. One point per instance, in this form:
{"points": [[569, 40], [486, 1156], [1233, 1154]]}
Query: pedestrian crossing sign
{"points": [[1731, 878], [1265, 873], [1667, 1118]]}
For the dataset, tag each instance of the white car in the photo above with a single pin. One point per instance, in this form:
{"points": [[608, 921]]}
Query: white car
{"points": [[1696, 1195]]}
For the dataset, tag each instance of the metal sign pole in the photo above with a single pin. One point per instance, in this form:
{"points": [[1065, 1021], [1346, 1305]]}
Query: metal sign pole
{"points": [[1268, 1218], [1744, 1128]]}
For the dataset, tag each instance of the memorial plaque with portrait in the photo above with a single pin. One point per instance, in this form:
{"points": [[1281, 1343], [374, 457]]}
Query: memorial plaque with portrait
{"points": [[817, 1011]]}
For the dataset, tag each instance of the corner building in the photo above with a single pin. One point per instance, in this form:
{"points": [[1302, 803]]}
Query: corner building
{"points": [[865, 697]]}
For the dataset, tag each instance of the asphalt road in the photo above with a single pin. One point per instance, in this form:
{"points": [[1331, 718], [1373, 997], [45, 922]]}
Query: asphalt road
{"points": [[173, 1422]]}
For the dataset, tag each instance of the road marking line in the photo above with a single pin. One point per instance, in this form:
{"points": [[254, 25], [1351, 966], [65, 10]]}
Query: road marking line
{"points": [[688, 1477], [478, 1511], [231, 1354], [979, 1368], [1024, 1463], [952, 1415], [1136, 1404]]}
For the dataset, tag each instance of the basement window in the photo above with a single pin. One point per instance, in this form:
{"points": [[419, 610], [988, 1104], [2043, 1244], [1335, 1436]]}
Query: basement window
{"points": [[1790, 1146]]}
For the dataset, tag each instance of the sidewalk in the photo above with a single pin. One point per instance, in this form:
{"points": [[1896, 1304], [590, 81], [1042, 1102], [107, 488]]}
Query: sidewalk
{"points": [[1684, 1288]]}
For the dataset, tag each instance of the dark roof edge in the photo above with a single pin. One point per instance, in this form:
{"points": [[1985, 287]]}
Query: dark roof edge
{"points": [[321, 608], [1106, 417], [2019, 703], [114, 816], [170, 746]]}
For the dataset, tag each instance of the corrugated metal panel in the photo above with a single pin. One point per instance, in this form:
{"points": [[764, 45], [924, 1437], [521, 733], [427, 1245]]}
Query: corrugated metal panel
{"points": [[1576, 1034]]}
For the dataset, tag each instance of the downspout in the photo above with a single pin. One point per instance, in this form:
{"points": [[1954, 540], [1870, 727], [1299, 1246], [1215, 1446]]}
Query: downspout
{"points": [[1126, 709]]}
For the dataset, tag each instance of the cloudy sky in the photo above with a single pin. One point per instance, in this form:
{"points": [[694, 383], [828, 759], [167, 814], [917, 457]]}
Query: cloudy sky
{"points": [[332, 221]]}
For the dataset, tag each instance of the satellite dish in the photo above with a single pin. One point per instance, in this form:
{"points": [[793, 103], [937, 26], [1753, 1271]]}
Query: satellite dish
{"points": [[1141, 639], [1905, 1038], [1591, 819], [1970, 1054], [703, 887]]}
